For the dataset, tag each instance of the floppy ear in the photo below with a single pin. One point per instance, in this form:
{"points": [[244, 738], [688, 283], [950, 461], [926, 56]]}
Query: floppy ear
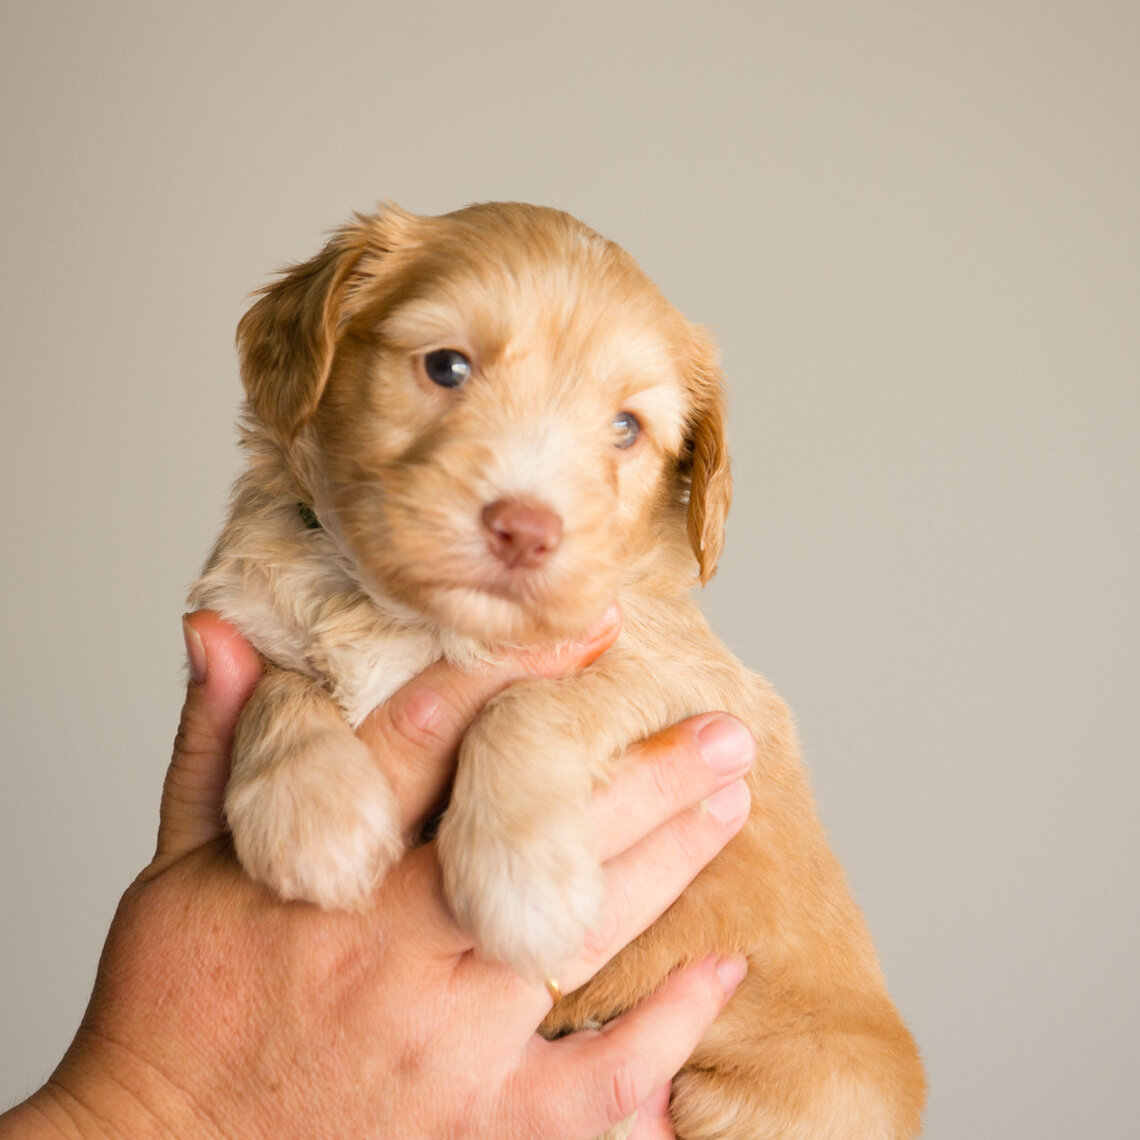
{"points": [[287, 339], [710, 482]]}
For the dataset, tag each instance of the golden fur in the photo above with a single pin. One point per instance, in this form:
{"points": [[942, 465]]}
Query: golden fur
{"points": [[562, 333]]}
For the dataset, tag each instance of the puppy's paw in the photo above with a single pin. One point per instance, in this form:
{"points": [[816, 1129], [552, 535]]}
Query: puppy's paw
{"points": [[319, 824], [526, 892]]}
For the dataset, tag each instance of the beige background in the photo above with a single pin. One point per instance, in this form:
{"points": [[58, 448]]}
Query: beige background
{"points": [[915, 227]]}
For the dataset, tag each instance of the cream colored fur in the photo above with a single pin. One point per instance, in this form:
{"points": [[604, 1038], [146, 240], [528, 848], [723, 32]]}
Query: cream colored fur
{"points": [[563, 333]]}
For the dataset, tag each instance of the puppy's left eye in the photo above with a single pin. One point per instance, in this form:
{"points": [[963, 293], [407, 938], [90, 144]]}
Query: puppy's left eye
{"points": [[627, 427], [447, 367]]}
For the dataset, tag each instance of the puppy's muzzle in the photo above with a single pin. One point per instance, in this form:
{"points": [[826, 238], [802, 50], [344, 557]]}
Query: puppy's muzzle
{"points": [[521, 535]]}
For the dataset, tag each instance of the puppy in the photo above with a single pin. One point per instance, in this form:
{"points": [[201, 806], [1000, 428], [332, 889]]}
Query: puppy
{"points": [[476, 430]]}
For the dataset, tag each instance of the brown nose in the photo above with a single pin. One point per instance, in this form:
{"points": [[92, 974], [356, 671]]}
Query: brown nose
{"points": [[521, 534]]}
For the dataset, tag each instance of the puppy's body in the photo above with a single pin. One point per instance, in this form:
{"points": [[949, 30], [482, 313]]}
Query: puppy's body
{"points": [[500, 426]]}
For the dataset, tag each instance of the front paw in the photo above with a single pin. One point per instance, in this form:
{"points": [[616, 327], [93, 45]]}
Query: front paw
{"points": [[319, 824], [527, 893]]}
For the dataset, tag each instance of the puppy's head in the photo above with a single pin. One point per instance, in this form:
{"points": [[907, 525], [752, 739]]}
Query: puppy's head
{"points": [[500, 416]]}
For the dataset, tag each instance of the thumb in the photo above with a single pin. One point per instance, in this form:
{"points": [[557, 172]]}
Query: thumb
{"points": [[223, 672]]}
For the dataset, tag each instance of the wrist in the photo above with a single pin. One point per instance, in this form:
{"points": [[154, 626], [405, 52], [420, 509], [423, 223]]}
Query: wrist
{"points": [[49, 1114], [101, 1091]]}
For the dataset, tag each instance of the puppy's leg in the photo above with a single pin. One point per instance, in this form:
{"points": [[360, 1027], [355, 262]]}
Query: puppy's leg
{"points": [[312, 816], [518, 856], [823, 1100]]}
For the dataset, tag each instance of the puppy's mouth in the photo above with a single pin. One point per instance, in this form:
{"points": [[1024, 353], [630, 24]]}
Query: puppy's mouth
{"points": [[510, 571], [511, 605], [491, 602]]}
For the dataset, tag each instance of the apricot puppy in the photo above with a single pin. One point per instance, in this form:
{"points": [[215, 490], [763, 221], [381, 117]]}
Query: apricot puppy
{"points": [[480, 429]]}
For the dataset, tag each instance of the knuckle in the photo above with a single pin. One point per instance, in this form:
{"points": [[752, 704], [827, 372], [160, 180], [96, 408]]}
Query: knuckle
{"points": [[601, 937], [419, 718], [669, 775], [691, 835], [626, 1092]]}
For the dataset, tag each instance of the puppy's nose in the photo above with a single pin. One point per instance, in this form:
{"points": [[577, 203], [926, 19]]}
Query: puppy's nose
{"points": [[521, 534]]}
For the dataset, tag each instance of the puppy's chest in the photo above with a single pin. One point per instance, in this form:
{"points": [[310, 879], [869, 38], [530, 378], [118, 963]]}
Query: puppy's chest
{"points": [[363, 655]]}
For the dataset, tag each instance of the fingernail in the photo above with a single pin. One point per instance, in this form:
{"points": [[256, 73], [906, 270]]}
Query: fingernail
{"points": [[730, 805], [730, 973], [195, 652], [726, 745]]}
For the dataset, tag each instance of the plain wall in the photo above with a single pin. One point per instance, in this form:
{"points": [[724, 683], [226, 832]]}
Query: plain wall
{"points": [[914, 227]]}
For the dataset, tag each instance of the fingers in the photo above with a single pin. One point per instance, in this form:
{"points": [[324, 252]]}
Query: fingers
{"points": [[683, 798], [643, 882], [667, 814], [414, 735], [674, 770], [591, 1081], [223, 672]]}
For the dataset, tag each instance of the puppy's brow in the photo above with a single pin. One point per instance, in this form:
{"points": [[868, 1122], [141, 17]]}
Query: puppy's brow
{"points": [[420, 323]]}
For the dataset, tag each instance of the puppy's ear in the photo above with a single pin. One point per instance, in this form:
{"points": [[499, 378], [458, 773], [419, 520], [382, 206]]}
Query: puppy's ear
{"points": [[287, 339], [710, 482]]}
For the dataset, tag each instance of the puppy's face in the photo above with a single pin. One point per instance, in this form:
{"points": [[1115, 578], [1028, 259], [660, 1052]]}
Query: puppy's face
{"points": [[507, 414]]}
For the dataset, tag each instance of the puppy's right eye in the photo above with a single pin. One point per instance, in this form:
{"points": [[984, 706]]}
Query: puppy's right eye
{"points": [[446, 367]]}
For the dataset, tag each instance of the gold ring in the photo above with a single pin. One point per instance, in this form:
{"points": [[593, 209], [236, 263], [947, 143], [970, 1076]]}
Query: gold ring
{"points": [[554, 989]]}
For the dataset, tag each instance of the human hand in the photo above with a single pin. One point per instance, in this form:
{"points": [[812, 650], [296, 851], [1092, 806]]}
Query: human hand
{"points": [[220, 1011]]}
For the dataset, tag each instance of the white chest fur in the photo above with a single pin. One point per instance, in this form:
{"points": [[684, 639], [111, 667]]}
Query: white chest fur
{"points": [[302, 607]]}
